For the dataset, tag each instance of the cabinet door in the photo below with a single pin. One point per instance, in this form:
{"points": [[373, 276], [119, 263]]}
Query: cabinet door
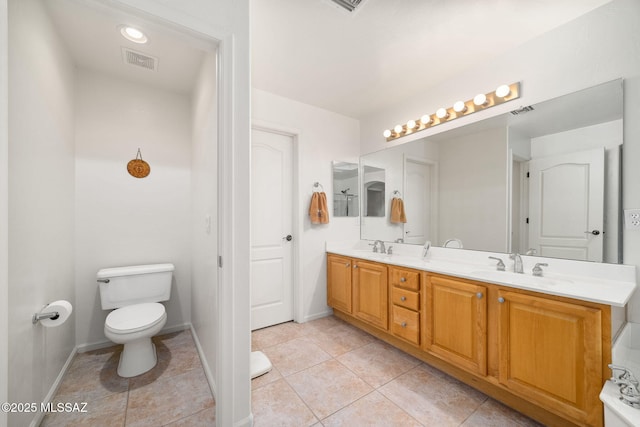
{"points": [[339, 282], [456, 313], [370, 293], [551, 353]]}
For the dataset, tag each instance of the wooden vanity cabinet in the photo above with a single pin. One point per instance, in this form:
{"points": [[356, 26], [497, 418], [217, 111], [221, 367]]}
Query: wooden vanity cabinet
{"points": [[551, 352], [405, 304], [370, 293], [339, 287], [358, 288], [456, 321]]}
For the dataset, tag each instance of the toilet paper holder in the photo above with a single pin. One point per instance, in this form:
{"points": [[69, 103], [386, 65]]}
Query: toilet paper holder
{"points": [[53, 315]]}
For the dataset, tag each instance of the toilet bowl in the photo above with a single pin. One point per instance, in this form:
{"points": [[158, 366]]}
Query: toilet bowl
{"points": [[134, 294], [133, 326]]}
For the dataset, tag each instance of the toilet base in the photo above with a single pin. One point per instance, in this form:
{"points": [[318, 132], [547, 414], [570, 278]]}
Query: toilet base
{"points": [[137, 357]]}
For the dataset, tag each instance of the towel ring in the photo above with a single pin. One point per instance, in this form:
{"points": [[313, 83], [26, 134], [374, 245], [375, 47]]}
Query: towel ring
{"points": [[317, 184]]}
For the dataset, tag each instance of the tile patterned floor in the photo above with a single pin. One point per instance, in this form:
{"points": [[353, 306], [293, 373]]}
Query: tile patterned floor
{"points": [[328, 373], [175, 393]]}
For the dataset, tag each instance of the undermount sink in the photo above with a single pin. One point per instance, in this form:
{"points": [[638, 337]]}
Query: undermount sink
{"points": [[518, 278]]}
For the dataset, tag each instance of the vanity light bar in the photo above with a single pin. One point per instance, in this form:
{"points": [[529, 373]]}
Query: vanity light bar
{"points": [[502, 94]]}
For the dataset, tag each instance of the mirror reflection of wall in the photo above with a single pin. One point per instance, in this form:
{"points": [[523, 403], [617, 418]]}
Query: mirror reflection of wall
{"points": [[484, 197], [345, 189]]}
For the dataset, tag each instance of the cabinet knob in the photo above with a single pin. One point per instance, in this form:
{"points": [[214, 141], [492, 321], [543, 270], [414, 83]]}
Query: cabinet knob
{"points": [[402, 279], [355, 266], [403, 298], [479, 295], [403, 324], [500, 300], [348, 264]]}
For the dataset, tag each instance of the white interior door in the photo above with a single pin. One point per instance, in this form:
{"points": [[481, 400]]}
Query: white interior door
{"points": [[566, 205], [271, 228], [420, 182]]}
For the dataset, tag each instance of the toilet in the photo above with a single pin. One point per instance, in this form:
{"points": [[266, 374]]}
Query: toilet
{"points": [[134, 293]]}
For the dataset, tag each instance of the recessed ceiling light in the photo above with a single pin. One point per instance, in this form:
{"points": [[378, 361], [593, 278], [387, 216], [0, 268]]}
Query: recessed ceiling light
{"points": [[133, 34]]}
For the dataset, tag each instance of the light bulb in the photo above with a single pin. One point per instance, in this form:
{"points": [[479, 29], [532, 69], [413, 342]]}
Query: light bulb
{"points": [[397, 129], [503, 91], [426, 119], [480, 99], [411, 124], [386, 133], [133, 34], [441, 113], [459, 107]]}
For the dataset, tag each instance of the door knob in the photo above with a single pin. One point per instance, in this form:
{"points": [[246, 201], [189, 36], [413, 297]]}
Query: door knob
{"points": [[594, 232], [288, 238]]}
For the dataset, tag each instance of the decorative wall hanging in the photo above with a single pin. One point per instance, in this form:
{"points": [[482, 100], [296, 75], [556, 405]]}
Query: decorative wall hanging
{"points": [[137, 167]]}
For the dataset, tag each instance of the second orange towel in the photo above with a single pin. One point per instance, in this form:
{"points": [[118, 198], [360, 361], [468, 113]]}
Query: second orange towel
{"points": [[397, 211]]}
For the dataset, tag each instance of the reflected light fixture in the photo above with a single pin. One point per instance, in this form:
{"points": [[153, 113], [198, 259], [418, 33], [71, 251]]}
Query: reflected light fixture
{"points": [[481, 101], [133, 34]]}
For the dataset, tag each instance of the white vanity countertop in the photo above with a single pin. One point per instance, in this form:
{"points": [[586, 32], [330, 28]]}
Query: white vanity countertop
{"points": [[610, 284]]}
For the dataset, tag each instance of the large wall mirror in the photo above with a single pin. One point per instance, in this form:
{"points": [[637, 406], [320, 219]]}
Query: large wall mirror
{"points": [[543, 180]]}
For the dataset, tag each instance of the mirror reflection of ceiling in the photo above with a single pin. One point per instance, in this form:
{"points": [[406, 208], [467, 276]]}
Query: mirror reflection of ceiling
{"points": [[357, 63]]}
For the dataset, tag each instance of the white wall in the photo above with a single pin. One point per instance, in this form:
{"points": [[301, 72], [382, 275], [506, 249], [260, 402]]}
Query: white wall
{"points": [[41, 191], [598, 47], [122, 220], [204, 181], [607, 135], [323, 137], [473, 190]]}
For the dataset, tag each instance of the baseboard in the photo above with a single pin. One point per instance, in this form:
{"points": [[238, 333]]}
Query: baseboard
{"points": [[54, 387], [318, 315], [83, 348], [205, 365], [246, 422]]}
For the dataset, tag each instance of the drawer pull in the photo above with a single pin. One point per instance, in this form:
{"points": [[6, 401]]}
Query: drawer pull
{"points": [[403, 324], [403, 298], [479, 295], [402, 279], [500, 300]]}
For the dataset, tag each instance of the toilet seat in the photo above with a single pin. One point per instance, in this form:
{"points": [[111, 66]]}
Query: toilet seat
{"points": [[134, 318]]}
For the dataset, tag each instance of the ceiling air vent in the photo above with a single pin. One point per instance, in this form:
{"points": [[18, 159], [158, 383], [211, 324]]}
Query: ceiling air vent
{"points": [[139, 59], [349, 5], [522, 110]]}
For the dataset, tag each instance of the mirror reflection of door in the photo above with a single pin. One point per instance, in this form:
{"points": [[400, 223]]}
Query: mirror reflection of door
{"points": [[566, 202], [420, 200]]}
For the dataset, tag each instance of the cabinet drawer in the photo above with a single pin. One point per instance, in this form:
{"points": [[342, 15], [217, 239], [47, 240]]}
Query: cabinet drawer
{"points": [[405, 298], [405, 279], [406, 324]]}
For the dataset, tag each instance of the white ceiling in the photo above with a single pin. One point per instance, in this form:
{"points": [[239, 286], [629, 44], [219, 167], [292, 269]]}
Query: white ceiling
{"points": [[90, 32], [354, 64]]}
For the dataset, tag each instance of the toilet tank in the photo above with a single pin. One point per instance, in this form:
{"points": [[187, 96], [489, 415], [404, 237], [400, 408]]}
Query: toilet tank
{"points": [[122, 286]]}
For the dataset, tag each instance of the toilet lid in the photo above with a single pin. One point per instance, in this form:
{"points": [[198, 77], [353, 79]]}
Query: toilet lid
{"points": [[135, 317]]}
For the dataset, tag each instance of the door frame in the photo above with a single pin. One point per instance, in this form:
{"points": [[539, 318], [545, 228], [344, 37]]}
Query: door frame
{"points": [[296, 219]]}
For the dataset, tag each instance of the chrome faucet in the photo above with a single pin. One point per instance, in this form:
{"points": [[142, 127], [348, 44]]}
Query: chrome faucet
{"points": [[517, 263], [622, 376], [425, 248], [383, 250]]}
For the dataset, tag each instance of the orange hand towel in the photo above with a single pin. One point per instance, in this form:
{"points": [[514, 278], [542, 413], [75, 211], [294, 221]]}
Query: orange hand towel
{"points": [[397, 211], [318, 211]]}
